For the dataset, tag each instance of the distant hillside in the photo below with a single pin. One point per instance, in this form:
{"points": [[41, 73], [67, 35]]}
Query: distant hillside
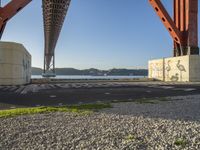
{"points": [[36, 71], [95, 72]]}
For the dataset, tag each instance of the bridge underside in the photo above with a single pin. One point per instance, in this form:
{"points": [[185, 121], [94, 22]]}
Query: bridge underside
{"points": [[54, 12]]}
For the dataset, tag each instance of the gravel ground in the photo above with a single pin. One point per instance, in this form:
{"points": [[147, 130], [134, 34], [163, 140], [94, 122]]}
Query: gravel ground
{"points": [[185, 108], [109, 129]]}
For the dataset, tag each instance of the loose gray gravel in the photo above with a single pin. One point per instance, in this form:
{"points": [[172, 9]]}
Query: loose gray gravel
{"points": [[185, 108], [106, 130]]}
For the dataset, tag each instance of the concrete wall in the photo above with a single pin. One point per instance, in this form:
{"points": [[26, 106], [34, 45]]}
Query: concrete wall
{"points": [[15, 64], [183, 69], [156, 69], [194, 66]]}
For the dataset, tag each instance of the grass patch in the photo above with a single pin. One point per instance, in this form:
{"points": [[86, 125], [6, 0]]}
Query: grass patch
{"points": [[81, 109], [147, 101], [97, 106], [143, 100], [151, 101], [181, 142], [128, 139], [121, 101]]}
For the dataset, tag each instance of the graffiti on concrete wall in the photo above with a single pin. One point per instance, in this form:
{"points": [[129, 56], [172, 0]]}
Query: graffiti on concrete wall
{"points": [[181, 68], [168, 69], [175, 73], [156, 70], [26, 68], [175, 77]]}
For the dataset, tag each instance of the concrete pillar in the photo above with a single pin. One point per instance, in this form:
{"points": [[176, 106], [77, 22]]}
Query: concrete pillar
{"points": [[15, 64], [176, 69]]}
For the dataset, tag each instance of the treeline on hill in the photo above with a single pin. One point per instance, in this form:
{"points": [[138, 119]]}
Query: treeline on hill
{"points": [[95, 72]]}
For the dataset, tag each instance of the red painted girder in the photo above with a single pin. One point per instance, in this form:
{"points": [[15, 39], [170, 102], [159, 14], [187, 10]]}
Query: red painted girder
{"points": [[10, 10], [192, 22], [167, 20]]}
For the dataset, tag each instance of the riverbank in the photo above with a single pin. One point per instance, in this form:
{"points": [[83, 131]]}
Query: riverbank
{"points": [[91, 79]]}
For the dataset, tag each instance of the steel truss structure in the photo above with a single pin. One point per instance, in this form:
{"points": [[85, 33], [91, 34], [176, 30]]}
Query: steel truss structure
{"points": [[183, 28], [10, 10], [54, 12]]}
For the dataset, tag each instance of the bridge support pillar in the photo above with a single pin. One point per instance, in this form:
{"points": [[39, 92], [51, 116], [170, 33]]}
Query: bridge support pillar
{"points": [[49, 70], [183, 28], [15, 64], [176, 69]]}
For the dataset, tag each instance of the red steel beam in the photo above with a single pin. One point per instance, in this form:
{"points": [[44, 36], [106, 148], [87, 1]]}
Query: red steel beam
{"points": [[167, 21], [180, 19], [192, 22], [10, 10], [186, 20], [184, 27]]}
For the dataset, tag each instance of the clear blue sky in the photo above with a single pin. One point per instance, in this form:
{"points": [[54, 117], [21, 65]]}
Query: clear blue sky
{"points": [[101, 34]]}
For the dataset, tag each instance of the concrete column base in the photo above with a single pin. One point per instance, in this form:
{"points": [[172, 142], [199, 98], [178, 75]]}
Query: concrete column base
{"points": [[176, 69], [15, 64]]}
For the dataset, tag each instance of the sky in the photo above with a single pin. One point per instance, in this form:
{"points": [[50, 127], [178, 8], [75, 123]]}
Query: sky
{"points": [[101, 34]]}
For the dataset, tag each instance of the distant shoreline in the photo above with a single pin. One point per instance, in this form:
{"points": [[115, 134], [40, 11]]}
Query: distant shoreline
{"points": [[94, 72], [89, 77]]}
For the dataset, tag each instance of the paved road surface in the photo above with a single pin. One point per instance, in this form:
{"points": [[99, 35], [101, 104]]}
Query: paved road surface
{"points": [[76, 93]]}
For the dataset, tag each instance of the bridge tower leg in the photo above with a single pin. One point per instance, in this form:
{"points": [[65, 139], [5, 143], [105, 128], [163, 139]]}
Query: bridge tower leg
{"points": [[49, 70], [10, 10], [186, 20], [20, 64], [183, 28]]}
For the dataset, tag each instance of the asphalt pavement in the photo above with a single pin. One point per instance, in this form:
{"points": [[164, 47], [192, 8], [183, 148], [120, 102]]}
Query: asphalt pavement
{"points": [[78, 93]]}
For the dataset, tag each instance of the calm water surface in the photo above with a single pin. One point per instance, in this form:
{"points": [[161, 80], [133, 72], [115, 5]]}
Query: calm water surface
{"points": [[89, 77]]}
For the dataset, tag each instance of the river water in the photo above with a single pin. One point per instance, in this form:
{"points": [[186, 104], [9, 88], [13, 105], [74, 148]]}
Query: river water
{"points": [[89, 77]]}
